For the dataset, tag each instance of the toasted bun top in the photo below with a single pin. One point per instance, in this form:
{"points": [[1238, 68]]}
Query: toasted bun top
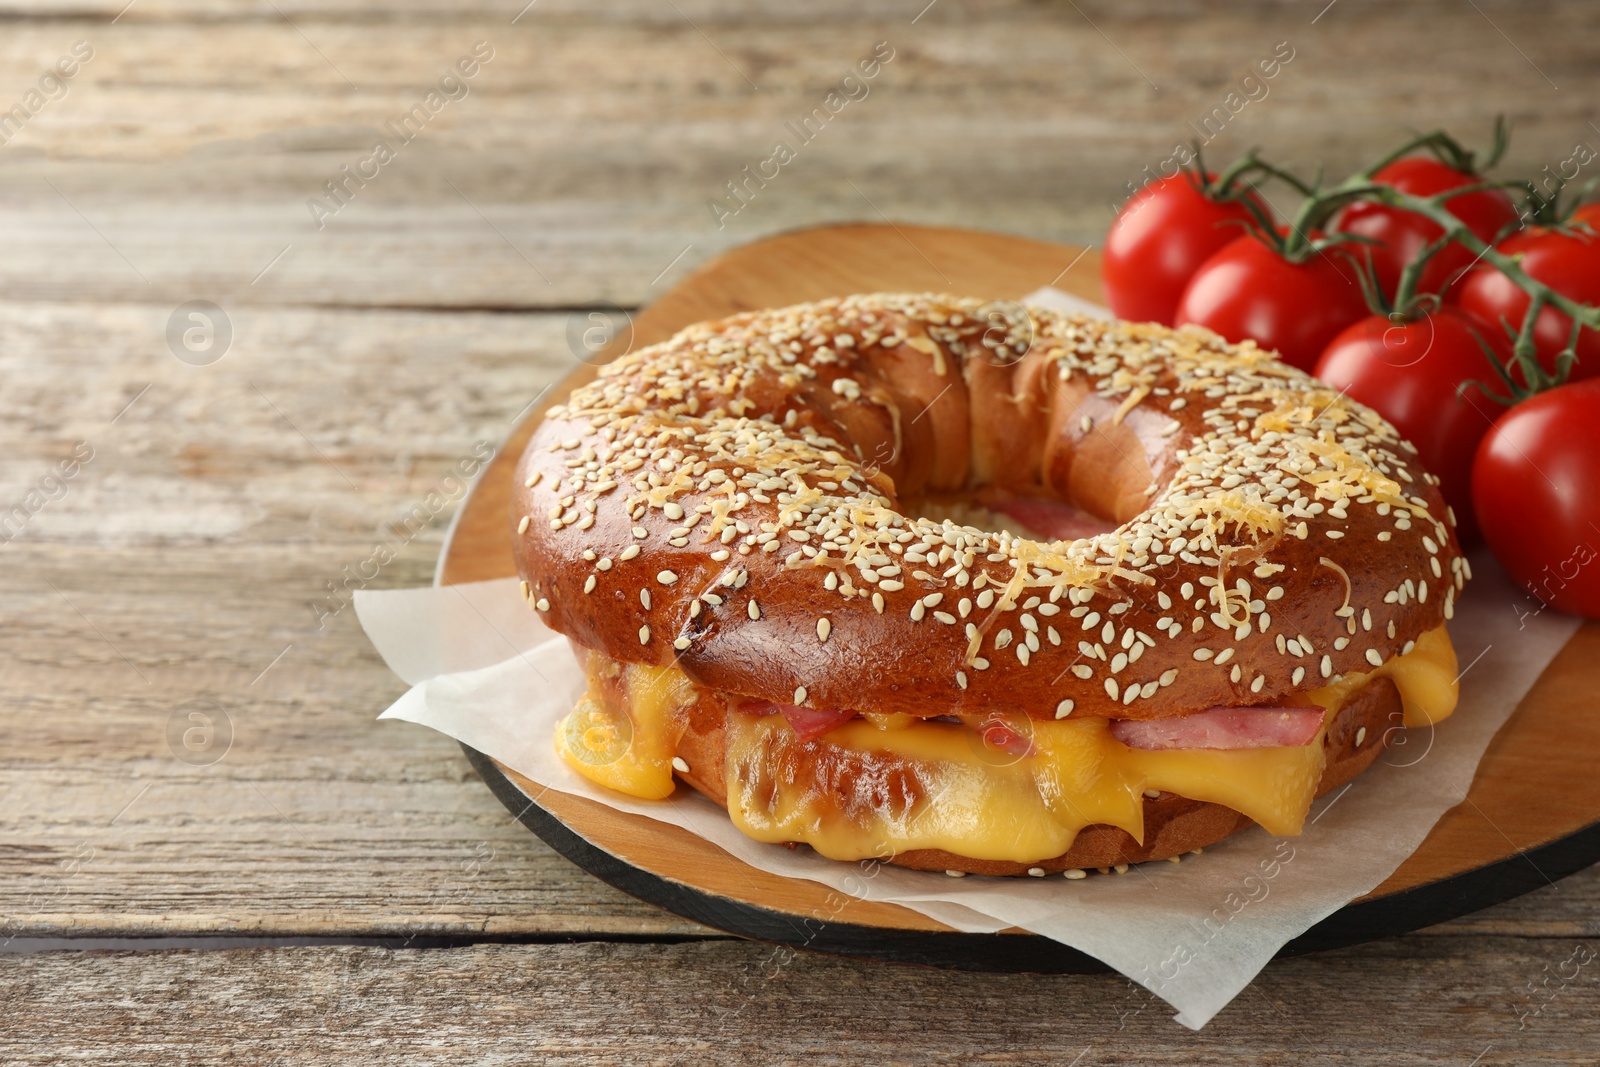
{"points": [[733, 501]]}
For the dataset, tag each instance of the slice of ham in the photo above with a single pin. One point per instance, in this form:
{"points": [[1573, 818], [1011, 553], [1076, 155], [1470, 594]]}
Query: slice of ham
{"points": [[1053, 519], [1223, 728], [807, 723]]}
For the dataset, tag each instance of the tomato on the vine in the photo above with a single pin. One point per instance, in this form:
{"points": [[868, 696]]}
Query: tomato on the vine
{"points": [[1536, 484], [1486, 212], [1411, 373], [1250, 290], [1159, 239], [1565, 259]]}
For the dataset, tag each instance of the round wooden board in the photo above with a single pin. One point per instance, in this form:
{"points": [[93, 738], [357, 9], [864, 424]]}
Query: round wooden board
{"points": [[1537, 778]]}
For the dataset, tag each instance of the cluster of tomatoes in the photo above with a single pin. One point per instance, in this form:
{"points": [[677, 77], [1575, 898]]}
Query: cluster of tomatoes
{"points": [[1516, 447]]}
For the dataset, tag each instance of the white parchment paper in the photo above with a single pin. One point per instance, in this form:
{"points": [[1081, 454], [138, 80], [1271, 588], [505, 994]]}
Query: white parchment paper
{"points": [[486, 672]]}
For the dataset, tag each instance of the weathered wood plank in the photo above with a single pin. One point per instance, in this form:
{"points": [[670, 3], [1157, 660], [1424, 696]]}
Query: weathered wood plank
{"points": [[194, 543], [184, 154], [1411, 1001]]}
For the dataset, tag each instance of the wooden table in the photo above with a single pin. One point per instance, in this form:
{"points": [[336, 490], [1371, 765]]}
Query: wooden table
{"points": [[301, 883]]}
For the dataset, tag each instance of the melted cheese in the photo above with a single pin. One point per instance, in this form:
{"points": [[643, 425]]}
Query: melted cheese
{"points": [[630, 752], [953, 792], [1428, 678]]}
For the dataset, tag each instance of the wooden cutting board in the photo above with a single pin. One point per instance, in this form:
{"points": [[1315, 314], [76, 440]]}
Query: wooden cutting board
{"points": [[1533, 814]]}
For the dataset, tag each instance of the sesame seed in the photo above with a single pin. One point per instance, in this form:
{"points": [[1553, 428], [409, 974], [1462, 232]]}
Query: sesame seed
{"points": [[1203, 653], [800, 695], [1111, 688], [644, 599], [1083, 670], [1299, 675], [1064, 709], [543, 604], [640, 532], [588, 584], [628, 553], [956, 874], [961, 679], [1374, 657], [1077, 873], [824, 628], [681, 643], [666, 577], [1036, 872], [679, 765], [522, 527], [753, 610], [1327, 666], [644, 634], [1361, 735]]}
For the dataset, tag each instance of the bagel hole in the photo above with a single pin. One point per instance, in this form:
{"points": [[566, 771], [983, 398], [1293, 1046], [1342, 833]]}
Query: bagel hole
{"points": [[1036, 518]]}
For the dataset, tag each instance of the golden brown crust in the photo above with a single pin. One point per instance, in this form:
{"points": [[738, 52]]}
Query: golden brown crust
{"points": [[729, 501]]}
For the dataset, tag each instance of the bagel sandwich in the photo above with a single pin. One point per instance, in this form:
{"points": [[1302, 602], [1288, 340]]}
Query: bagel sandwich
{"points": [[969, 587]]}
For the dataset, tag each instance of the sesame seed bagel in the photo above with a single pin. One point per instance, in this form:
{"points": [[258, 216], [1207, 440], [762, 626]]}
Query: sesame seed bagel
{"points": [[733, 502], [748, 510]]}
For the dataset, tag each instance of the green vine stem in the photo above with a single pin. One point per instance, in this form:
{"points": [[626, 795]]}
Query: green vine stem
{"points": [[1540, 295]]}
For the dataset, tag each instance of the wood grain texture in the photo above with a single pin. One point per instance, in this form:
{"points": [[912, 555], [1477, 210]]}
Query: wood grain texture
{"points": [[1400, 1003], [181, 561], [581, 166]]}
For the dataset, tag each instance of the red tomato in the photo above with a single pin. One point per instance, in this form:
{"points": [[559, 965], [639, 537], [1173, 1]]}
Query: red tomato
{"points": [[1408, 373], [1536, 483], [1248, 290], [1486, 213], [1158, 240], [1566, 261]]}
